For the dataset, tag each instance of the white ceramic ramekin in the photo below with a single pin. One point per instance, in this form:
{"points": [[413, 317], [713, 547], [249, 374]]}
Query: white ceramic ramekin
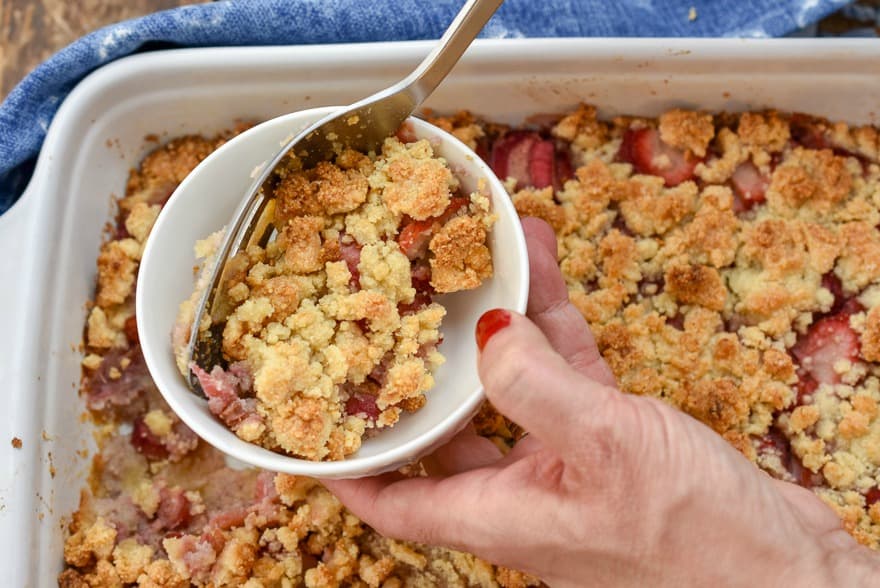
{"points": [[205, 202]]}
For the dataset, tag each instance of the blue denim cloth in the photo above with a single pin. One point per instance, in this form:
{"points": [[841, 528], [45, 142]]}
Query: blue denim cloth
{"points": [[27, 111]]}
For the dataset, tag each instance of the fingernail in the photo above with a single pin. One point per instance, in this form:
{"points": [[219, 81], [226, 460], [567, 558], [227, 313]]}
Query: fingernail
{"points": [[490, 323]]}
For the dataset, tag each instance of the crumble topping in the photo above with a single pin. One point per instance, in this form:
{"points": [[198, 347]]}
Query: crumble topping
{"points": [[460, 258], [332, 332], [413, 181], [687, 130], [781, 359], [728, 264]]}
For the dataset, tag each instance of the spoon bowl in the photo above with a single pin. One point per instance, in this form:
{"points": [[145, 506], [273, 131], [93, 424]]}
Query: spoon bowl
{"points": [[205, 201]]}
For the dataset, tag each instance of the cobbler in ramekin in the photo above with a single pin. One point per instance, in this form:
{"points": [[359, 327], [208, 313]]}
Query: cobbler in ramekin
{"points": [[330, 329]]}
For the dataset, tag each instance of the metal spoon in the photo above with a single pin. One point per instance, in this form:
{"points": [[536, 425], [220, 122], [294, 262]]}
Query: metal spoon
{"points": [[363, 126]]}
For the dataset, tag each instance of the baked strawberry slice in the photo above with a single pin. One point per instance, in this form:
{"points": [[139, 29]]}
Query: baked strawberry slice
{"points": [[648, 154], [813, 134], [146, 442], [806, 132], [749, 187], [121, 232], [225, 520], [456, 203], [842, 304], [421, 276], [831, 282], [265, 487], [776, 444], [131, 330], [421, 281], [362, 405], [828, 341], [414, 238], [406, 133], [805, 386], [482, 149], [174, 510], [542, 164], [511, 155], [415, 235], [351, 255], [212, 536], [531, 160], [564, 168]]}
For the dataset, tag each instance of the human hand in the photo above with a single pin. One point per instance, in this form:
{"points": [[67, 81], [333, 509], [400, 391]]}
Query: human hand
{"points": [[608, 489]]}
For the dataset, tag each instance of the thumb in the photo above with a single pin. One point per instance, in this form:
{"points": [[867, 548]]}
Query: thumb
{"points": [[528, 381]]}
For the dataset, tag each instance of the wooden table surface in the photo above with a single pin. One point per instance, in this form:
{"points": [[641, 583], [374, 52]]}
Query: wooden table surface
{"points": [[31, 30]]}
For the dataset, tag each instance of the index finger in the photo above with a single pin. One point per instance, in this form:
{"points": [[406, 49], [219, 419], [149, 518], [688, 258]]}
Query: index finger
{"points": [[550, 309]]}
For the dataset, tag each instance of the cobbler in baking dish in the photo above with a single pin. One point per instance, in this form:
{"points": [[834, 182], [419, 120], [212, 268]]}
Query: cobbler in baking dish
{"points": [[331, 330], [728, 264]]}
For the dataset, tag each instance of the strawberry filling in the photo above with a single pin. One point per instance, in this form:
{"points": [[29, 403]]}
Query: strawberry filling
{"points": [[406, 134], [828, 341], [120, 380], [146, 442], [199, 556], [131, 331], [265, 488], [362, 404], [564, 168], [530, 159], [362, 397], [749, 187], [226, 392], [776, 444], [227, 520], [415, 237], [832, 283], [351, 255], [806, 132], [421, 281], [542, 164], [174, 510], [121, 232], [648, 154]]}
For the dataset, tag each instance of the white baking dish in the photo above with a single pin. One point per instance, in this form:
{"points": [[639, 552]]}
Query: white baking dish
{"points": [[50, 238]]}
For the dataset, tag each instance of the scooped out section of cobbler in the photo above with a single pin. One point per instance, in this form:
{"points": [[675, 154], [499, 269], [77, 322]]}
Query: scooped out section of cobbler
{"points": [[332, 332]]}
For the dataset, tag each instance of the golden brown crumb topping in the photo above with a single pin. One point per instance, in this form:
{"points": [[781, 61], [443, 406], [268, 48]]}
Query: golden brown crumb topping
{"points": [[461, 258], [687, 130]]}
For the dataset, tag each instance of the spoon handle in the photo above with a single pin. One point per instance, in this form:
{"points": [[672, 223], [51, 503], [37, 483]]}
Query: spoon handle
{"points": [[467, 24]]}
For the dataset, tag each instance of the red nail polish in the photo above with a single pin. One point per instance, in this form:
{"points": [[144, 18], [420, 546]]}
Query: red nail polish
{"points": [[490, 323]]}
